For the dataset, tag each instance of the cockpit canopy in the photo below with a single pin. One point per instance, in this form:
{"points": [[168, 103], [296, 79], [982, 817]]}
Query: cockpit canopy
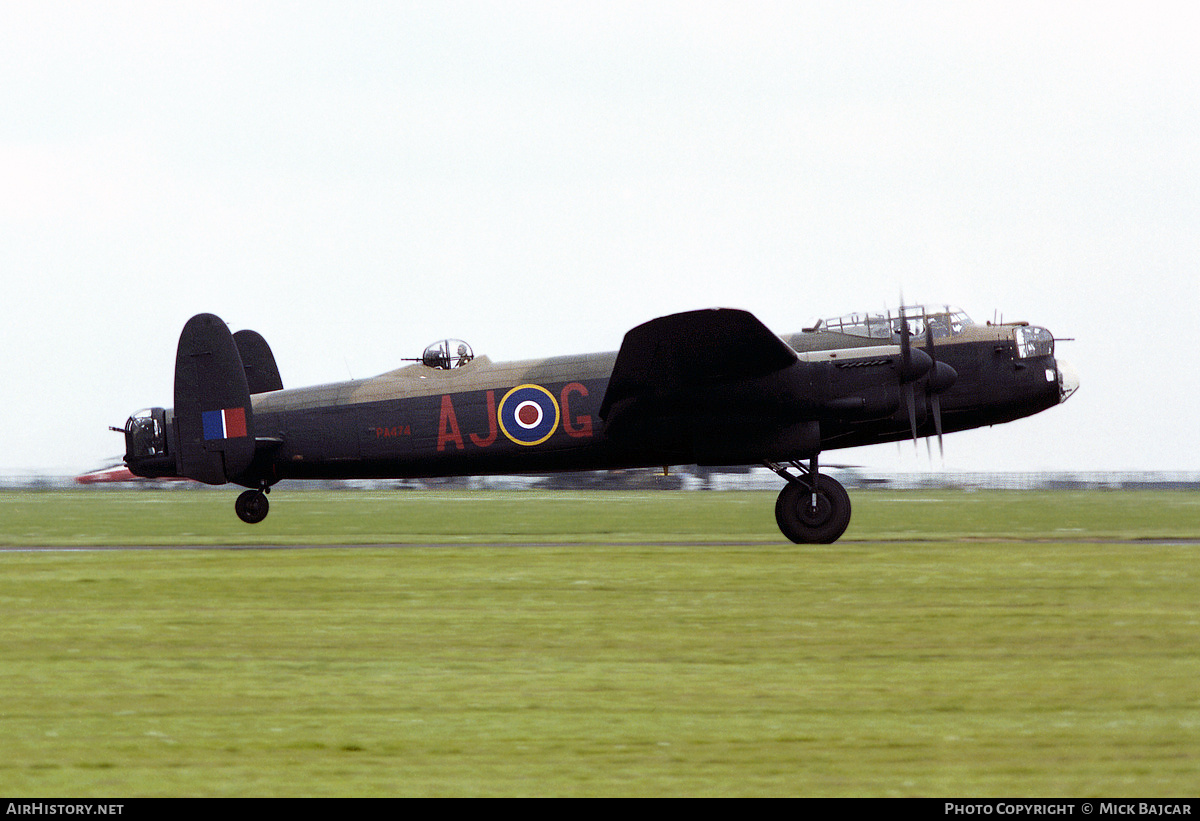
{"points": [[942, 321], [446, 354]]}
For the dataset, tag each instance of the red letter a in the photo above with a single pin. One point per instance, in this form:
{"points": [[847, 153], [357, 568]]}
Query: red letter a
{"points": [[448, 426]]}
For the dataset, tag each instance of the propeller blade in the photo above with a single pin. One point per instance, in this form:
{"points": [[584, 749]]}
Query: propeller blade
{"points": [[936, 402], [914, 363], [911, 401], [940, 379]]}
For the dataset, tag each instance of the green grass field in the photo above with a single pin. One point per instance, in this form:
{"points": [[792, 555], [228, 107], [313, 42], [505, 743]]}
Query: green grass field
{"points": [[958, 644]]}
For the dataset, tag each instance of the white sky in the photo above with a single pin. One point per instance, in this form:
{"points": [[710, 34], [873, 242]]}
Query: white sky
{"points": [[357, 179]]}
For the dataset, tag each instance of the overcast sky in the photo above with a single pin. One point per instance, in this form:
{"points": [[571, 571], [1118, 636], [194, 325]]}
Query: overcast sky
{"points": [[357, 179]]}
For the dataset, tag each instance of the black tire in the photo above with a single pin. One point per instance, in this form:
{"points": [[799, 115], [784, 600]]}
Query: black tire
{"points": [[252, 506], [804, 524]]}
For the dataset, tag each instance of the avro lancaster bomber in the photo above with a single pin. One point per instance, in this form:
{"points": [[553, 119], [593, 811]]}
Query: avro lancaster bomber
{"points": [[707, 387]]}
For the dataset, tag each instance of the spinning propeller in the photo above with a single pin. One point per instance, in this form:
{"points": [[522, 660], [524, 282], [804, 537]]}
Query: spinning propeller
{"points": [[915, 364], [942, 377]]}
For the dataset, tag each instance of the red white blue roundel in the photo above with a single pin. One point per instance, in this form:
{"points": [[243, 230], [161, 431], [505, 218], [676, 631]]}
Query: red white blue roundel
{"points": [[528, 414]]}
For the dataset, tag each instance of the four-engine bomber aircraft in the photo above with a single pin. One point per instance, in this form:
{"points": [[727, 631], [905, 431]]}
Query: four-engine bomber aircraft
{"points": [[708, 387]]}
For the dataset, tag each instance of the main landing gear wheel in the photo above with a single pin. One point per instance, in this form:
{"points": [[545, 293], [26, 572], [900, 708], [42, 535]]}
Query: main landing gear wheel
{"points": [[808, 520], [252, 506]]}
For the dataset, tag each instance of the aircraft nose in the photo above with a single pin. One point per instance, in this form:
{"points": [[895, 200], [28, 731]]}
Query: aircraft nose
{"points": [[1068, 381]]}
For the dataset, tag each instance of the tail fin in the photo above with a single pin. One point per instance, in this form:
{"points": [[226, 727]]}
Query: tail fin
{"points": [[214, 422], [262, 374]]}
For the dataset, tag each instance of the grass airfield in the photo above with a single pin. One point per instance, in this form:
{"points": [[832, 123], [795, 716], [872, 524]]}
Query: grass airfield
{"points": [[957, 644]]}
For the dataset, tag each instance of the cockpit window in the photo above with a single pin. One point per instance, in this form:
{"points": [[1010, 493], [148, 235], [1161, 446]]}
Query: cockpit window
{"points": [[446, 354], [1033, 341], [944, 321]]}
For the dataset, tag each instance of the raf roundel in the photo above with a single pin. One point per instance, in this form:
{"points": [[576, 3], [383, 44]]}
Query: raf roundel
{"points": [[528, 414]]}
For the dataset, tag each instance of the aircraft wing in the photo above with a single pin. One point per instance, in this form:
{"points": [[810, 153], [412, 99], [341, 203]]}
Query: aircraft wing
{"points": [[680, 353]]}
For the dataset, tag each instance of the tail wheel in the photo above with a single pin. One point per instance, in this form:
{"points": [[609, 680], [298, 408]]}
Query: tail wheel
{"points": [[808, 520], [252, 506]]}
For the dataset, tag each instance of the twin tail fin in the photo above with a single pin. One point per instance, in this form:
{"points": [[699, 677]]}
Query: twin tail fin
{"points": [[215, 373]]}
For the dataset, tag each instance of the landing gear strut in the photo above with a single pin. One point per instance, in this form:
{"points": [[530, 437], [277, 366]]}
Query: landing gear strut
{"points": [[252, 505], [811, 508]]}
